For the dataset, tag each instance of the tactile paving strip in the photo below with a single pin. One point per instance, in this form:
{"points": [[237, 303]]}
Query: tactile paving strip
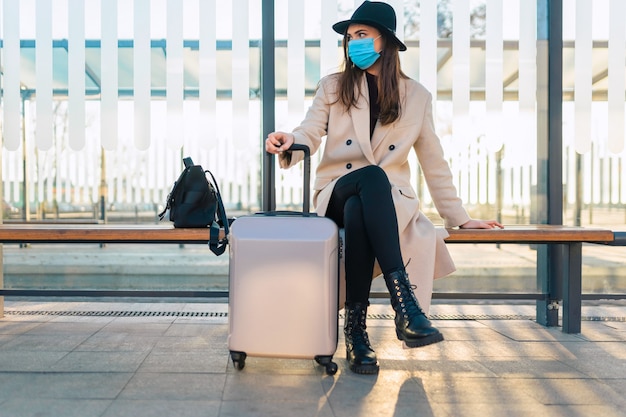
{"points": [[224, 314]]}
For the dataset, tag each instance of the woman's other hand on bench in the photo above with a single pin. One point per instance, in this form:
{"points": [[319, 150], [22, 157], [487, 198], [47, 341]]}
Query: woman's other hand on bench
{"points": [[481, 224]]}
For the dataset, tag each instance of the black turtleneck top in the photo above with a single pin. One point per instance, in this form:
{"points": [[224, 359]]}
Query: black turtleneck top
{"points": [[372, 86]]}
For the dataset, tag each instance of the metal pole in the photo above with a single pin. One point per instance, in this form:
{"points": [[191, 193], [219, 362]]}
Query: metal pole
{"points": [[550, 258], [555, 113], [268, 100], [26, 202]]}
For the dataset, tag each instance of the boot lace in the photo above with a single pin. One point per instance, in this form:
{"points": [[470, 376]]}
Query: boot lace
{"points": [[357, 332], [407, 300]]}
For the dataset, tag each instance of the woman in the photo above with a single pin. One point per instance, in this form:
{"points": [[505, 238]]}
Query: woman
{"points": [[372, 115]]}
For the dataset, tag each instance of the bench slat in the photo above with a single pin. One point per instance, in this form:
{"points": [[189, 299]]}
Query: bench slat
{"points": [[106, 233], [51, 233], [531, 234]]}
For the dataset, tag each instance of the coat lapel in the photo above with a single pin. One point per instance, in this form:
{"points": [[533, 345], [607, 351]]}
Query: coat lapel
{"points": [[381, 131], [379, 135], [361, 122]]}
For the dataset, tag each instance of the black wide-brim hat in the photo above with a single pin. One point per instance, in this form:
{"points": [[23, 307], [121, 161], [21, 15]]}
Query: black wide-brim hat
{"points": [[373, 13]]}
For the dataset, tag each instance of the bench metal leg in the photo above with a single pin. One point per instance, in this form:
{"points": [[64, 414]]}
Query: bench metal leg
{"points": [[549, 273], [572, 288]]}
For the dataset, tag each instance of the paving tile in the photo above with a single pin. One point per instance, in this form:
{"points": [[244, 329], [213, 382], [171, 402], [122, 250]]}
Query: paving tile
{"points": [[194, 329], [65, 328], [571, 392], [462, 333], [215, 342], [102, 321], [11, 382], [603, 331], [174, 386], [50, 407], [616, 385], [28, 361], [509, 349], [44, 342], [118, 341], [269, 408], [614, 349], [138, 325], [508, 409], [10, 326], [163, 408], [186, 362], [348, 388], [128, 361], [599, 365], [275, 386], [530, 332], [604, 410], [406, 407], [443, 388], [537, 368], [73, 385]]}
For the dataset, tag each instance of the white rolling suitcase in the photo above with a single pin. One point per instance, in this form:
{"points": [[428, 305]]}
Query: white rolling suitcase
{"points": [[283, 292]]}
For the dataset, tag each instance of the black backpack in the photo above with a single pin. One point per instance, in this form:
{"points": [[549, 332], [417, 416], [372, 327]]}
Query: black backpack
{"points": [[196, 202]]}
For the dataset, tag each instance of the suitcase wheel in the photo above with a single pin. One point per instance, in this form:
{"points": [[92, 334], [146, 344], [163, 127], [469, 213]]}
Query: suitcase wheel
{"points": [[239, 359], [327, 362]]}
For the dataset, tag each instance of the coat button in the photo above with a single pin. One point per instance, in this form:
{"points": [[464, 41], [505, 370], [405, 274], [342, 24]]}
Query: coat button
{"points": [[349, 142], [392, 147], [349, 166]]}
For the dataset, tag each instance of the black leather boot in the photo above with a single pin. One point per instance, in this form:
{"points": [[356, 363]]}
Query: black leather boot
{"points": [[412, 325], [359, 352]]}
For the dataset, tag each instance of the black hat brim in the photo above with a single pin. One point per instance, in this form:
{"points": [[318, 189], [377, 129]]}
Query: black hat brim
{"points": [[342, 27]]}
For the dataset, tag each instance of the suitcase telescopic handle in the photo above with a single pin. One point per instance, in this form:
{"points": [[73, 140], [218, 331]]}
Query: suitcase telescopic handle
{"points": [[307, 174]]}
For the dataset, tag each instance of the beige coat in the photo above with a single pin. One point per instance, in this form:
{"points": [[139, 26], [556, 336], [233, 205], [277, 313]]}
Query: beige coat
{"points": [[348, 147]]}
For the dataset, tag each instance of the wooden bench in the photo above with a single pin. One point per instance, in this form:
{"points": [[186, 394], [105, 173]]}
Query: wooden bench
{"points": [[565, 285]]}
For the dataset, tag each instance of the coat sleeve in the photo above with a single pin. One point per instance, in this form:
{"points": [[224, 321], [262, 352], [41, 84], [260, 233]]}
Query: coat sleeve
{"points": [[313, 127], [437, 172]]}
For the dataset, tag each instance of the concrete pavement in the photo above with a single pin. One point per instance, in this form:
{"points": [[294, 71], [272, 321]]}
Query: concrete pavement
{"points": [[171, 359]]}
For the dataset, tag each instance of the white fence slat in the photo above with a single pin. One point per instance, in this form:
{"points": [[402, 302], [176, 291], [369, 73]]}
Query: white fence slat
{"points": [[43, 69], [142, 75], [583, 77], [10, 60], [76, 74], [617, 76], [174, 77], [109, 78]]}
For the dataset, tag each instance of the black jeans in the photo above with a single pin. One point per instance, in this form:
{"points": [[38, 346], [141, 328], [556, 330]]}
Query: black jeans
{"points": [[362, 204]]}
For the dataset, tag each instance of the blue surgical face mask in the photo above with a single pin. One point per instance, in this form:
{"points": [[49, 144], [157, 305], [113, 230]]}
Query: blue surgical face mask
{"points": [[362, 52]]}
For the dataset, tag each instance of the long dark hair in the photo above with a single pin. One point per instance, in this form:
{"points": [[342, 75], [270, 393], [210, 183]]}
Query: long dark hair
{"points": [[388, 81]]}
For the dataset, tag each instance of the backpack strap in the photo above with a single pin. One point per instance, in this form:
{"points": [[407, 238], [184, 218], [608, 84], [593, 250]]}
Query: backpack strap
{"points": [[217, 245]]}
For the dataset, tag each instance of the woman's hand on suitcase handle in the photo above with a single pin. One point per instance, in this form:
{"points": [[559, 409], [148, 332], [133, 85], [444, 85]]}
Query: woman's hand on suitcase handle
{"points": [[278, 142]]}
